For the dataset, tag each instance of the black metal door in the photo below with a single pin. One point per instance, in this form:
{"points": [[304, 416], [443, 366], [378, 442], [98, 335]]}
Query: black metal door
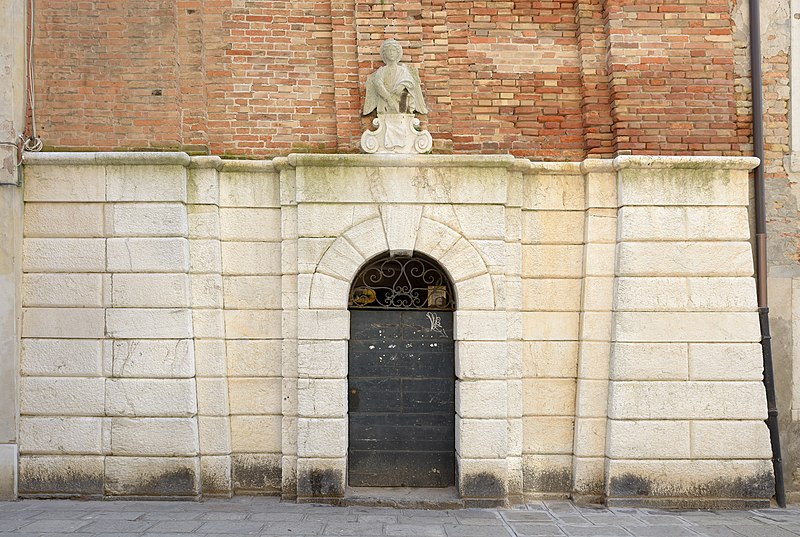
{"points": [[401, 399]]}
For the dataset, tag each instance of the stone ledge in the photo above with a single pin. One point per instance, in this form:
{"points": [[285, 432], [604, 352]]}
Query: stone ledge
{"points": [[685, 162], [107, 157]]}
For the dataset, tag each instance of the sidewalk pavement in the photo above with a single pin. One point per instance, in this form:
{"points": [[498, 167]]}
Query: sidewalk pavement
{"points": [[247, 515]]}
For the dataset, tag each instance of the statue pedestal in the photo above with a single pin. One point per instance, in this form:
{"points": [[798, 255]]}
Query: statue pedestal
{"points": [[396, 133]]}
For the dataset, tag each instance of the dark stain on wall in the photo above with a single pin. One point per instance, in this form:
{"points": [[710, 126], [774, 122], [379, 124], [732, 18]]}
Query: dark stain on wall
{"points": [[320, 483], [482, 485], [70, 478], [259, 474]]}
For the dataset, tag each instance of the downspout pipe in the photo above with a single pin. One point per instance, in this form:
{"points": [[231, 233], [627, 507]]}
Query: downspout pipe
{"points": [[761, 249]]}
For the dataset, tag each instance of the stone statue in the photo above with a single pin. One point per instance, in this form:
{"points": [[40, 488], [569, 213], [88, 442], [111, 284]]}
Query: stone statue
{"points": [[394, 91]]}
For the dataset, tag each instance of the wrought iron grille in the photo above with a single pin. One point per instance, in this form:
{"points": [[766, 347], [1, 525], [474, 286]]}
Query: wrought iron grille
{"points": [[411, 283]]}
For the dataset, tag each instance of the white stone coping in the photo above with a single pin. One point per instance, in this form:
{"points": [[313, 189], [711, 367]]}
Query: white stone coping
{"points": [[352, 160]]}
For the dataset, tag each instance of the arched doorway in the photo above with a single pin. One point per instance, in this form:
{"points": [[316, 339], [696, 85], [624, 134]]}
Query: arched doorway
{"points": [[401, 377]]}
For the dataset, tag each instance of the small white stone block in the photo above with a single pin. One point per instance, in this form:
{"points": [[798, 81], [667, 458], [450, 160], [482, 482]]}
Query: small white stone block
{"points": [[154, 436], [205, 255], [725, 361], [601, 226], [686, 294], [202, 186], [62, 357], [148, 255], [208, 324], [146, 183], [74, 436], [150, 397], [556, 294], [254, 357], [215, 435], [311, 250], [323, 324], [66, 323], [153, 358], [600, 259], [341, 260], [557, 359], [553, 192], [684, 223], [209, 357], [598, 293], [482, 399], [592, 398], [648, 440], [61, 396], [322, 398], [548, 397], [149, 220], [255, 396], [243, 189], [688, 400], [206, 290], [730, 440], [252, 292], [480, 326], [685, 259], [687, 326], [251, 258], [368, 238], [590, 437], [552, 435], [65, 183], [400, 223], [253, 324], [322, 358], [552, 261], [552, 227], [434, 238], [649, 361], [332, 220], [212, 397], [659, 186], [54, 290], [149, 291], [63, 255], [481, 439], [481, 221], [476, 293], [203, 221], [321, 437], [128, 323], [550, 325], [463, 261], [250, 224], [327, 293], [481, 359], [63, 220]]}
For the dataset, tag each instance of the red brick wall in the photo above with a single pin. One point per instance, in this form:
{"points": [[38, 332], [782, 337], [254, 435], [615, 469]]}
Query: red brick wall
{"points": [[554, 80]]}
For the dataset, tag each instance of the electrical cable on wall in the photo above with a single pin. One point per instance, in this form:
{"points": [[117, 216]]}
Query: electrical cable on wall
{"points": [[33, 142]]}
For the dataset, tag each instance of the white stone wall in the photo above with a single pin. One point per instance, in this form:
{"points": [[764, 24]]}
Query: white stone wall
{"points": [[185, 325]]}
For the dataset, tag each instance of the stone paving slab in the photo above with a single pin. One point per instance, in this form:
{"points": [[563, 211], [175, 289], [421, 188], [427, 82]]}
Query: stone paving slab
{"points": [[269, 517]]}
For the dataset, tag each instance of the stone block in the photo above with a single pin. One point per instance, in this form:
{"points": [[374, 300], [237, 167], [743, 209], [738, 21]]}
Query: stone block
{"points": [[209, 357], [173, 437], [590, 437], [463, 261], [547, 434], [244, 189], [400, 223], [596, 325], [256, 434], [481, 438], [368, 238], [321, 437], [153, 358], [148, 255], [149, 220], [331, 220], [688, 400], [215, 435], [152, 476], [323, 324], [321, 398], [480, 326], [725, 361], [239, 224], [253, 324], [150, 397], [135, 323], [684, 224], [481, 360], [321, 478], [212, 397], [311, 250], [78, 475], [341, 260], [686, 294], [601, 189], [254, 358], [146, 183], [255, 396], [61, 396], [551, 294], [58, 290], [687, 326], [59, 435], [322, 358], [482, 478], [600, 259], [553, 192], [659, 186], [149, 291], [601, 226], [252, 292], [685, 259], [547, 474], [482, 399], [548, 397], [256, 473], [251, 258], [9, 464], [593, 360], [592, 398], [649, 361], [208, 324], [203, 221], [51, 220], [62, 357], [205, 255], [495, 255], [434, 238], [206, 290], [216, 472], [550, 325], [63, 255], [598, 293], [326, 293], [557, 359], [730, 440], [65, 183], [202, 186], [552, 261], [66, 323], [552, 227], [649, 439]]}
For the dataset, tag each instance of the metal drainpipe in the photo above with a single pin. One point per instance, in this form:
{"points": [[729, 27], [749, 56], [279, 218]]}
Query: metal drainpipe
{"points": [[761, 249]]}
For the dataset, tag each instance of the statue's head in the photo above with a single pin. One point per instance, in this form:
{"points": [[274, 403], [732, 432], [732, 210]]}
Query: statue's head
{"points": [[391, 51]]}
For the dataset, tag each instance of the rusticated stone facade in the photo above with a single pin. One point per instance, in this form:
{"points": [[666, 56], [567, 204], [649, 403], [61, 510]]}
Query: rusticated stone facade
{"points": [[185, 323]]}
